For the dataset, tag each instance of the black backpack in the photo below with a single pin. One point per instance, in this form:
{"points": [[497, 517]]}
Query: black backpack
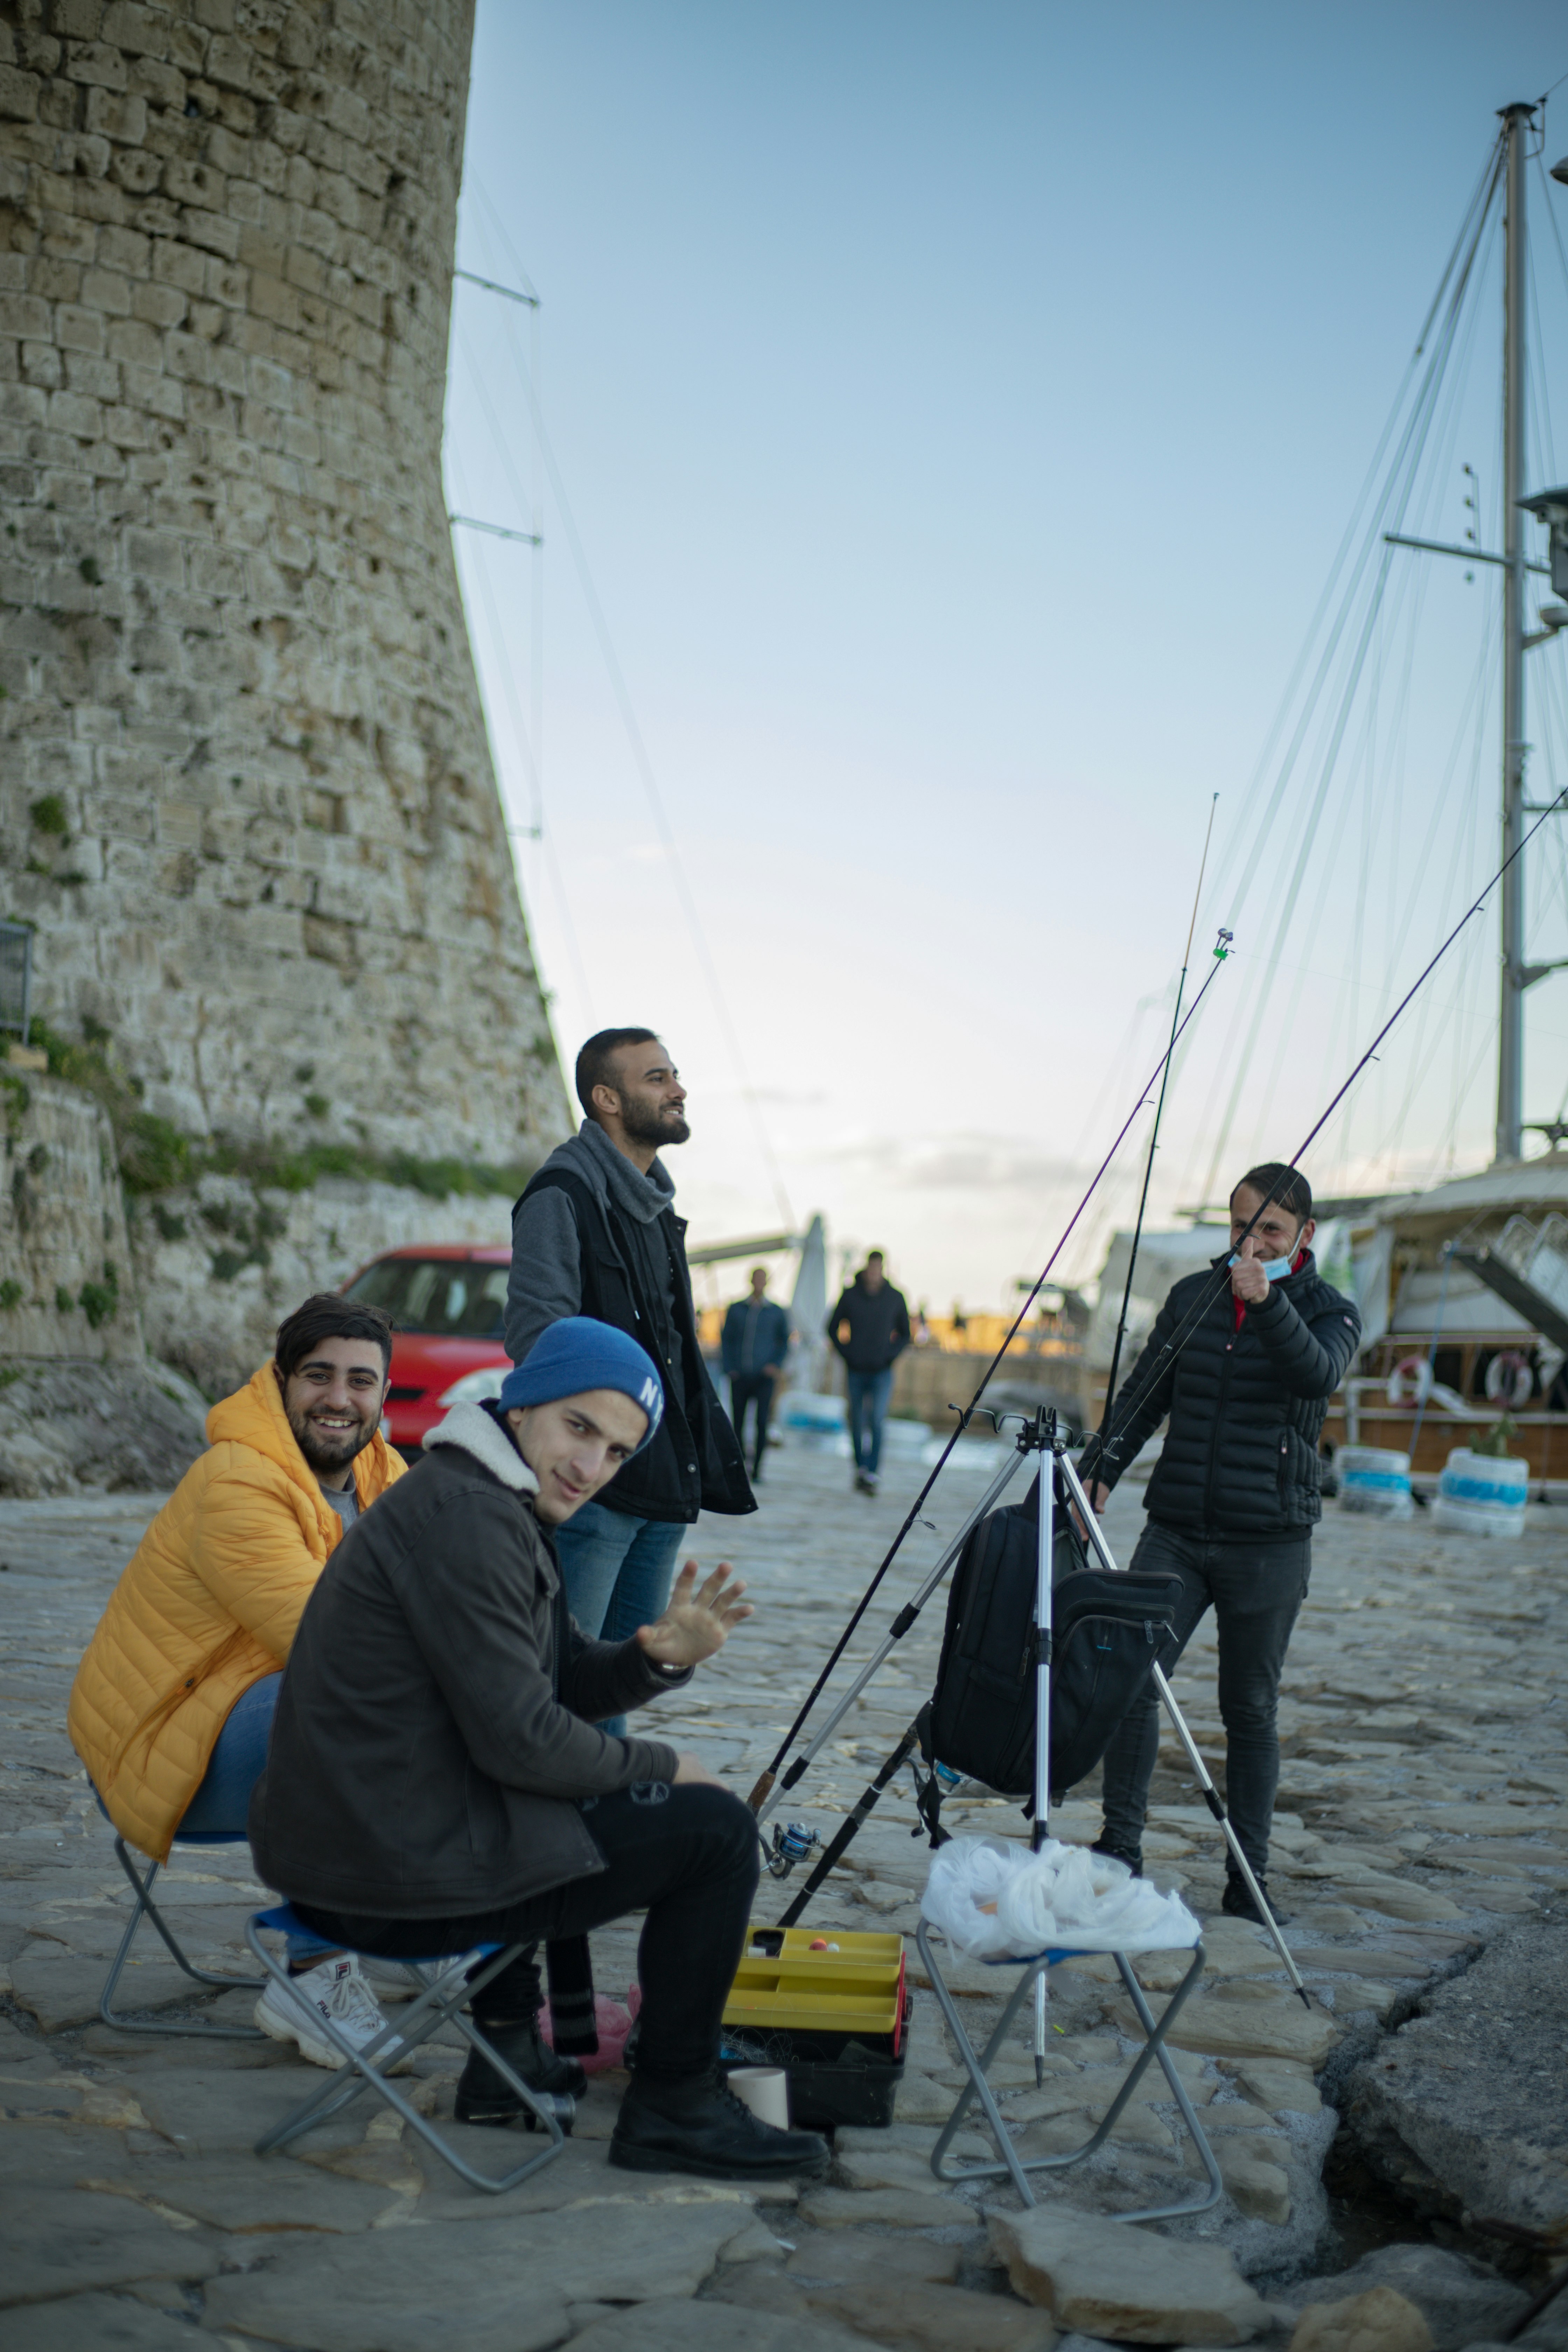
{"points": [[1109, 1631]]}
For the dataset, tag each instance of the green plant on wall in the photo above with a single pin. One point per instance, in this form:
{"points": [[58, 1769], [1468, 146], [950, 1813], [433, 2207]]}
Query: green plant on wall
{"points": [[155, 1156], [100, 1300], [10, 1296], [63, 1303]]}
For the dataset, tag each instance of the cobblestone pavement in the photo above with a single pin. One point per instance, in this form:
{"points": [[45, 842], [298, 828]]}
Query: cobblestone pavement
{"points": [[1422, 1814]]}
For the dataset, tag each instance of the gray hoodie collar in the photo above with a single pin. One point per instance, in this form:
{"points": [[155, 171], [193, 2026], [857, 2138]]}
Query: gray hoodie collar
{"points": [[471, 1428], [614, 1177]]}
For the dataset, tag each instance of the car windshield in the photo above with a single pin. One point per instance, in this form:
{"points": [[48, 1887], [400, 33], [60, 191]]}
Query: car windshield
{"points": [[451, 1296]]}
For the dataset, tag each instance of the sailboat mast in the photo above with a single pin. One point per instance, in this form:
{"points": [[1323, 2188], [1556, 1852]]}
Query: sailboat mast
{"points": [[1517, 121]]}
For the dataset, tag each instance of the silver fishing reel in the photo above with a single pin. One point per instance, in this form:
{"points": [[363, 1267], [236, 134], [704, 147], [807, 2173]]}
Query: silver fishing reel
{"points": [[793, 1843]]}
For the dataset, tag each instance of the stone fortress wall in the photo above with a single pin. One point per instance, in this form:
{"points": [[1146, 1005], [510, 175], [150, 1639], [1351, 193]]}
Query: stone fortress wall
{"points": [[246, 795]]}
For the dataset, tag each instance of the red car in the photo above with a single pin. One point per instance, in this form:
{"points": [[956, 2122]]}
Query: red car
{"points": [[446, 1301]]}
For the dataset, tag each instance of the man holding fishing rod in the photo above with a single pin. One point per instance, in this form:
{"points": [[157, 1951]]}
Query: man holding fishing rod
{"points": [[1235, 1495]]}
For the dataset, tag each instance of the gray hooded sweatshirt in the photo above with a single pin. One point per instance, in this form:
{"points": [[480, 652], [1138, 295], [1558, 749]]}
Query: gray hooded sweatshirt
{"points": [[546, 1281]]}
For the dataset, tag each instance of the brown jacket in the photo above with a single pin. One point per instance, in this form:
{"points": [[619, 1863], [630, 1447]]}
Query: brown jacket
{"points": [[436, 1731]]}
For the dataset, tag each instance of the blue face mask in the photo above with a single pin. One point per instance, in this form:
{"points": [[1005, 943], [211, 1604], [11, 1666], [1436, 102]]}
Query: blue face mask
{"points": [[1275, 1269]]}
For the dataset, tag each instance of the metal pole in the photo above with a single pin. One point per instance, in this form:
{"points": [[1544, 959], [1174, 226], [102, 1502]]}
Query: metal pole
{"points": [[1043, 1603], [1517, 119]]}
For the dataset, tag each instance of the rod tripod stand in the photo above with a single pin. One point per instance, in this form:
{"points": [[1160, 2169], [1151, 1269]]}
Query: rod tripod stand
{"points": [[1039, 1433]]}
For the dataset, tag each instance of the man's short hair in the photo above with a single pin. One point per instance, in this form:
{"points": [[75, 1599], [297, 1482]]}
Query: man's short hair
{"points": [[877, 1254], [327, 1317], [595, 1060], [1276, 1179]]}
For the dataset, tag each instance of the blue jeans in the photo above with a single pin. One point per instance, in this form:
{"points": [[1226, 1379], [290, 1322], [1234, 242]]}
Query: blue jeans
{"points": [[869, 1389], [223, 1801], [618, 1572]]}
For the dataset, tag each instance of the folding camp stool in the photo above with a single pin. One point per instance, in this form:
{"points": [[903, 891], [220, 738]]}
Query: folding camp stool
{"points": [[1046, 1435], [1017, 2167], [145, 1908], [445, 1983]]}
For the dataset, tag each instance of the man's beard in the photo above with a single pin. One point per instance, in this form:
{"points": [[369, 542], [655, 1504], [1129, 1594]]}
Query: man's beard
{"points": [[665, 1124], [321, 1453]]}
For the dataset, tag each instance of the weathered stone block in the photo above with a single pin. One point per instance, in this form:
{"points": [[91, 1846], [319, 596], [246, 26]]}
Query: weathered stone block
{"points": [[18, 95], [1112, 2279], [97, 62], [121, 118]]}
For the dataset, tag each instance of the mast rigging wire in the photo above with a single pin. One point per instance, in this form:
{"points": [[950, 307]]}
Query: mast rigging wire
{"points": [[1154, 1130], [622, 694], [1388, 510]]}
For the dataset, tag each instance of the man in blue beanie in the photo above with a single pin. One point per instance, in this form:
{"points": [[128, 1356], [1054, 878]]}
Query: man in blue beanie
{"points": [[436, 1777]]}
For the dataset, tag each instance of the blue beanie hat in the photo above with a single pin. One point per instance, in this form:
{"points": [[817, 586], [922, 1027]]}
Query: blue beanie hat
{"points": [[578, 1354]]}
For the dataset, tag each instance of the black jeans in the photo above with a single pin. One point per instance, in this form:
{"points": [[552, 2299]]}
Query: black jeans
{"points": [[1256, 1591], [688, 1856], [754, 1389]]}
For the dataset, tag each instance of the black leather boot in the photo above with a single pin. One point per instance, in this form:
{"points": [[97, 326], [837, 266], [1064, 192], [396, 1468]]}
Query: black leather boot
{"points": [[1236, 1902], [700, 2126], [1134, 1860], [484, 2098]]}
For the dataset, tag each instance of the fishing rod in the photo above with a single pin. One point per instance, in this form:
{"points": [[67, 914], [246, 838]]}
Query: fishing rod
{"points": [[1102, 1449], [769, 1779], [1154, 1131], [908, 1739]]}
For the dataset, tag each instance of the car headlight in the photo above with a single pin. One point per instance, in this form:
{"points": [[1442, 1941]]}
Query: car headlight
{"points": [[476, 1388]]}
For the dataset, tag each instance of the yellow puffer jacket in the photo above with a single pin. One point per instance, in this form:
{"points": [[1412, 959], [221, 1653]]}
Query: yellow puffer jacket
{"points": [[208, 1605]]}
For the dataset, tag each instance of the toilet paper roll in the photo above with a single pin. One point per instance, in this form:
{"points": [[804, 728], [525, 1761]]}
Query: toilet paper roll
{"points": [[766, 2090]]}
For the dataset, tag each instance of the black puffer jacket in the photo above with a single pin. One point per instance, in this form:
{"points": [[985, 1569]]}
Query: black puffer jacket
{"points": [[1246, 1406]]}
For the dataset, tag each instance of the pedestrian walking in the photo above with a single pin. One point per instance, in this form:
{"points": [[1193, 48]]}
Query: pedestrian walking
{"points": [[595, 1234], [752, 1349], [870, 1328], [1235, 1495]]}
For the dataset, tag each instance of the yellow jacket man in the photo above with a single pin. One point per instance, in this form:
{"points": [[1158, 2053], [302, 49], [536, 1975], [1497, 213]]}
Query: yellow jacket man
{"points": [[172, 1702]]}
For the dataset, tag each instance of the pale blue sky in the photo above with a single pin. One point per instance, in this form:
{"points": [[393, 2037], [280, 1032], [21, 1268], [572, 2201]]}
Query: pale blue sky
{"points": [[961, 408]]}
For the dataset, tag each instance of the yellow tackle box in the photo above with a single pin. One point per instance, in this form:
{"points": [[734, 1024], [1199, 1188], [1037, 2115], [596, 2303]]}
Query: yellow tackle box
{"points": [[834, 2018]]}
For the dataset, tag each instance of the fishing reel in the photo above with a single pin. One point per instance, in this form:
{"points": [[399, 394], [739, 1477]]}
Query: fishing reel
{"points": [[793, 1843]]}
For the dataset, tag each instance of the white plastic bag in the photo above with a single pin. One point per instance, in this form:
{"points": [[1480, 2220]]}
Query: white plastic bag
{"points": [[994, 1901]]}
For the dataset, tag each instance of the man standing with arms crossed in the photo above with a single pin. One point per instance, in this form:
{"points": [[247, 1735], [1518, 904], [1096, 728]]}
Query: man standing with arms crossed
{"points": [[1235, 1495], [595, 1234]]}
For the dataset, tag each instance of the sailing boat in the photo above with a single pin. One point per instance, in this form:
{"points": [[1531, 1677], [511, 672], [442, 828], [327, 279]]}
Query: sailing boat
{"points": [[1463, 1288]]}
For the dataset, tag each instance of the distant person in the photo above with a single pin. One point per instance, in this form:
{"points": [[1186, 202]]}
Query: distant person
{"points": [[595, 1234], [1235, 1495], [754, 1350], [174, 1700], [870, 1328]]}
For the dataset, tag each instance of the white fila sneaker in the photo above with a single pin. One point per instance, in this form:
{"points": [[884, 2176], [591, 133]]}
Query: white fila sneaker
{"points": [[336, 1990]]}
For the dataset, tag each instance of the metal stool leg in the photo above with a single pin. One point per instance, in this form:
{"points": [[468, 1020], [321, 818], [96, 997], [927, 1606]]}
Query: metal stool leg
{"points": [[437, 2005], [1017, 2167], [145, 1907]]}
